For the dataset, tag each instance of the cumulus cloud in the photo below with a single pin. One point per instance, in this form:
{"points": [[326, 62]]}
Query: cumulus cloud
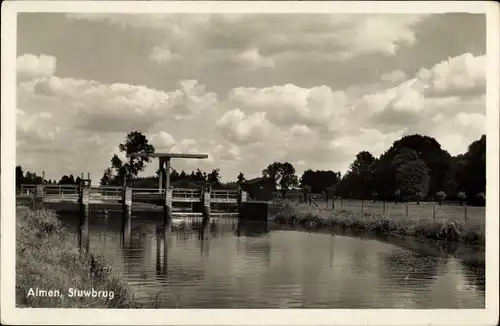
{"points": [[239, 127], [461, 75], [163, 141], [117, 107], [30, 66], [279, 108], [288, 105], [35, 128]]}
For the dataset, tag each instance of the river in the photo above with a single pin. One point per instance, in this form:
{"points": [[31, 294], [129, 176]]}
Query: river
{"points": [[255, 265]]}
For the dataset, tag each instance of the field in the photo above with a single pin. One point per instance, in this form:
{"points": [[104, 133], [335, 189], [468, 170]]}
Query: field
{"points": [[426, 210]]}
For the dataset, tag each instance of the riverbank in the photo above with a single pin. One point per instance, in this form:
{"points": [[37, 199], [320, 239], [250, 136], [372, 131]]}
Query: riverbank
{"points": [[48, 259], [470, 233]]}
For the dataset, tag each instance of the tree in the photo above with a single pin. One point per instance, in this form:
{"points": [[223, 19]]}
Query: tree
{"points": [[438, 161], [107, 177], [214, 177], [412, 178], [319, 181], [440, 196], [462, 196], [283, 174], [135, 142], [19, 176], [475, 167], [361, 175], [241, 178]]}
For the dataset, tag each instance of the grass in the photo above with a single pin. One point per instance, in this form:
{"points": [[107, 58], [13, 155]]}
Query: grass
{"points": [[48, 258], [471, 232], [424, 210]]}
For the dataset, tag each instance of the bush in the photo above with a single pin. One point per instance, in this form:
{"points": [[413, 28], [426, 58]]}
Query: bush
{"points": [[440, 196]]}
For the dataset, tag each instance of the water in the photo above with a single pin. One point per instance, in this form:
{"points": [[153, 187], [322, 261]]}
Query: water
{"points": [[235, 265]]}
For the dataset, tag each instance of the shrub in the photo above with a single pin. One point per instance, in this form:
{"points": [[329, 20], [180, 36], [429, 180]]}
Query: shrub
{"points": [[440, 196], [462, 196]]}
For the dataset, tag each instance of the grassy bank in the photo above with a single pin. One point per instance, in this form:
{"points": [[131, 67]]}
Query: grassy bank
{"points": [[47, 258], [471, 233]]}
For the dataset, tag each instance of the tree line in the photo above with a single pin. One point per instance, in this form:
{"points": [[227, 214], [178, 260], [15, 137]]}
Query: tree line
{"points": [[34, 179], [414, 168]]}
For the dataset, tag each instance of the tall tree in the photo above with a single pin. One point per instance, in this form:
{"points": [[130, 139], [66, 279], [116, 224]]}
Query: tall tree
{"points": [[135, 142], [362, 174]]}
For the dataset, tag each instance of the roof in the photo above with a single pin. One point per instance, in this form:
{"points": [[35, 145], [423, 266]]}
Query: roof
{"points": [[256, 180], [169, 155]]}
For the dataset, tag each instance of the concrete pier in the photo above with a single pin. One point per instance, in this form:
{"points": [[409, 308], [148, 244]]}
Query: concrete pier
{"points": [[206, 201], [167, 209], [127, 214], [83, 234]]}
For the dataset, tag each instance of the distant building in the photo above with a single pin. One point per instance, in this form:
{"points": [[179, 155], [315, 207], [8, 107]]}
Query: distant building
{"points": [[259, 188]]}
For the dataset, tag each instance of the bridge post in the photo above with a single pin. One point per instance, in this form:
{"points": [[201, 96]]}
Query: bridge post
{"points": [[167, 209], [127, 214], [83, 234], [160, 174], [206, 201]]}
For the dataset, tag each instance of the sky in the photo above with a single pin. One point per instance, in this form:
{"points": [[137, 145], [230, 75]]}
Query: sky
{"points": [[246, 89]]}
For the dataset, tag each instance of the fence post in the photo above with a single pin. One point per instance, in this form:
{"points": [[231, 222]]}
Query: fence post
{"points": [[383, 207], [362, 205], [465, 213], [434, 212], [406, 210], [341, 202]]}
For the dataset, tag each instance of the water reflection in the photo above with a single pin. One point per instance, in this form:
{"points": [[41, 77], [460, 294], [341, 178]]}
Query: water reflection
{"points": [[226, 263]]}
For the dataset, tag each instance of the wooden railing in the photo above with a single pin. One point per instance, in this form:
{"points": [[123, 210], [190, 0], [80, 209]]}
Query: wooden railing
{"points": [[106, 192]]}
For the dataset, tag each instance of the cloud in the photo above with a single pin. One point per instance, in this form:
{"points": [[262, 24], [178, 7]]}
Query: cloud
{"points": [[30, 66], [394, 76], [241, 128], [252, 59], [228, 36], [35, 128], [117, 107], [163, 141], [461, 75], [247, 89], [289, 105]]}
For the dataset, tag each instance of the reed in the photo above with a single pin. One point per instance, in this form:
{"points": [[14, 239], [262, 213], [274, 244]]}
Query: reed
{"points": [[48, 259]]}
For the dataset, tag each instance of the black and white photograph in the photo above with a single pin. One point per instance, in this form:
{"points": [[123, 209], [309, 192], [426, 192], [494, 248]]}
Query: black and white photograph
{"points": [[201, 159]]}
